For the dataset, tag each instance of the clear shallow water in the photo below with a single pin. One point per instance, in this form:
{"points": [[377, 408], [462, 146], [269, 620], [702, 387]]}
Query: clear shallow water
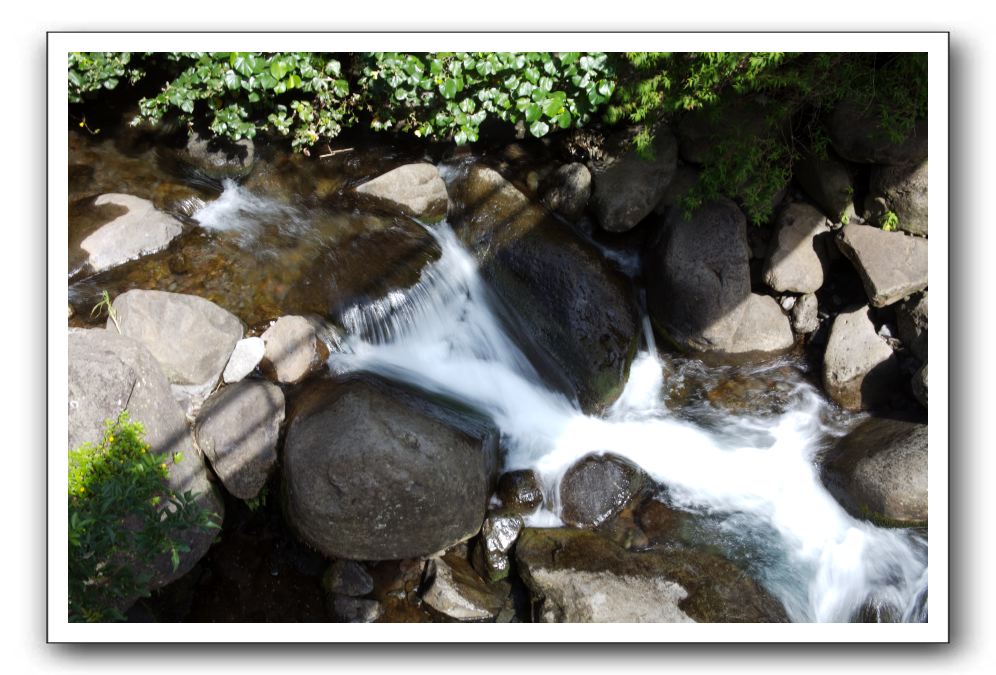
{"points": [[754, 475]]}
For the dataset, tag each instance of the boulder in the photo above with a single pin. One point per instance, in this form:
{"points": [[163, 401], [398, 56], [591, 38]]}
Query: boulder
{"points": [[347, 577], [414, 190], [567, 191], [139, 230], [684, 181], [109, 373], [860, 370], [857, 135], [578, 316], [879, 471], [293, 350], [191, 338], [456, 591], [576, 576], [698, 286], [374, 473], [892, 265], [794, 263], [219, 158], [246, 355], [805, 314], [828, 183], [520, 491], [597, 487], [911, 317], [627, 187], [919, 385], [237, 429], [498, 534], [902, 190]]}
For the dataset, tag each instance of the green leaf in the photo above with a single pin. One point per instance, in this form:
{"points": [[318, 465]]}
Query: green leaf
{"points": [[448, 88], [539, 129], [460, 138], [563, 120], [533, 112], [244, 64], [232, 80], [278, 69]]}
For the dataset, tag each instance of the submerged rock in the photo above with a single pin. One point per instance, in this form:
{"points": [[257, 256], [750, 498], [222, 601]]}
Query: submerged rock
{"points": [[109, 373], [138, 231], [238, 429], [575, 308], [596, 488], [576, 576], [414, 190], [860, 370], [372, 473], [879, 471]]}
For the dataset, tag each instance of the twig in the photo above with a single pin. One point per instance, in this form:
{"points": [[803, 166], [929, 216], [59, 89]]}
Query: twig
{"points": [[332, 153]]}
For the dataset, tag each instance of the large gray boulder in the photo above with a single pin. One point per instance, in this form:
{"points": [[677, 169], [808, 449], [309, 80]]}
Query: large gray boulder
{"points": [[627, 187], [911, 320], [567, 190], [698, 286], [109, 373], [879, 471], [828, 183], [857, 134], [902, 190], [292, 350], [191, 338], [374, 474], [794, 263], [414, 190], [892, 265], [577, 576], [237, 429], [138, 231], [597, 487], [578, 315], [860, 370]]}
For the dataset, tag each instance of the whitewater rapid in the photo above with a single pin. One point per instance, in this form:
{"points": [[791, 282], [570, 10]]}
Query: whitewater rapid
{"points": [[756, 476]]}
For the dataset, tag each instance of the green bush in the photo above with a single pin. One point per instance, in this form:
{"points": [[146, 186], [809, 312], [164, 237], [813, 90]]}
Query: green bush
{"points": [[122, 516]]}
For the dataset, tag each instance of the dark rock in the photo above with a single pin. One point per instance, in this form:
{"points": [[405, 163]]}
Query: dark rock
{"points": [[414, 190], [520, 491], [567, 190], [347, 577], [827, 181], [879, 471], [577, 576], [892, 265], [902, 190], [354, 610], [627, 187], [660, 523], [795, 263], [912, 319], [857, 135], [919, 385], [456, 591], [180, 200], [860, 370], [219, 157], [685, 179], [703, 133], [579, 310], [378, 474], [596, 488], [237, 429]]}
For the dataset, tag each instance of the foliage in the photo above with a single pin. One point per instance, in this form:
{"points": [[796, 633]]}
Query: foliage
{"points": [[93, 71], [122, 516], [105, 304], [890, 221], [450, 94]]}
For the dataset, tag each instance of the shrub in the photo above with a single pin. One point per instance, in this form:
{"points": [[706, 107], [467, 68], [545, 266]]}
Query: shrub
{"points": [[122, 516]]}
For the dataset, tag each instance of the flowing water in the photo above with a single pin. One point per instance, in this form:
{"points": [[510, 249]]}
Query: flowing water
{"points": [[755, 476]]}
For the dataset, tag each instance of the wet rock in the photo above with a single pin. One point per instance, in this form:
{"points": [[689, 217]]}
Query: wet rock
{"points": [[414, 190], [139, 231], [902, 190], [879, 470], [795, 264], [246, 355], [292, 350], [805, 314], [911, 317], [238, 429], [828, 183], [191, 338], [698, 286], [179, 200], [567, 191], [860, 370], [355, 610], [753, 393], [919, 385], [578, 318], [347, 577], [218, 157], [576, 576], [456, 591], [660, 523], [520, 491], [375, 473], [109, 373], [596, 488], [498, 534], [627, 187], [892, 265], [857, 135]]}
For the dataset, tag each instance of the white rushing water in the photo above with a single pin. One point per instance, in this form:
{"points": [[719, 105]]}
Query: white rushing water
{"points": [[756, 476]]}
